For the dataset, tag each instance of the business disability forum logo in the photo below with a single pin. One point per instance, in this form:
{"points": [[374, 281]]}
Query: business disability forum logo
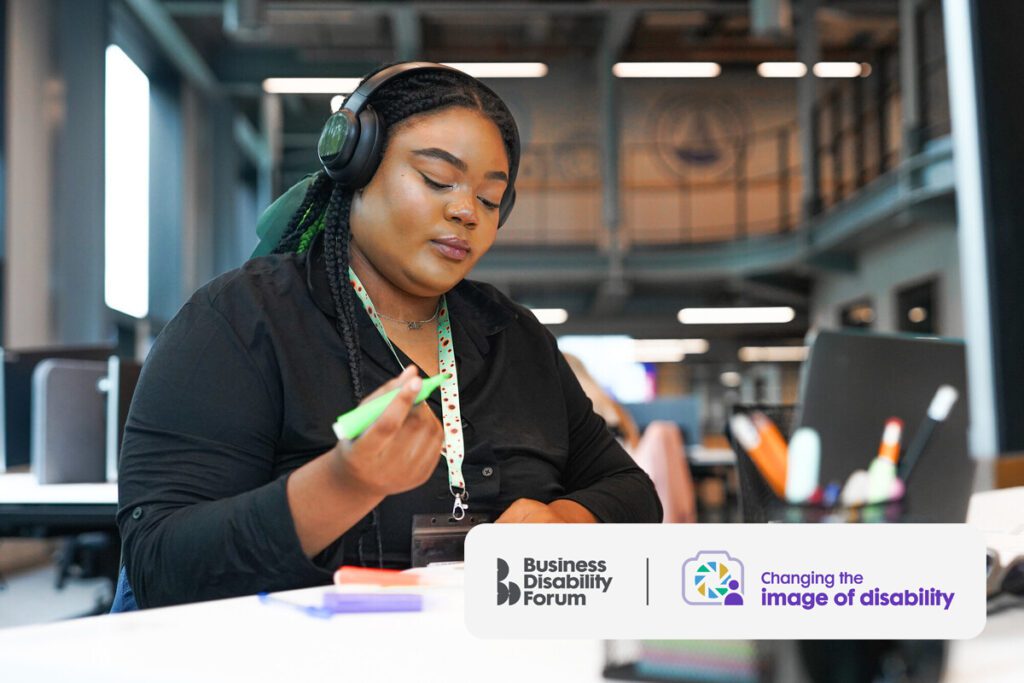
{"points": [[553, 583], [713, 577]]}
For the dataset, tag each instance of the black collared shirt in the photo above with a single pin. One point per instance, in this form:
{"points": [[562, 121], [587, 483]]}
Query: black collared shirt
{"points": [[242, 386]]}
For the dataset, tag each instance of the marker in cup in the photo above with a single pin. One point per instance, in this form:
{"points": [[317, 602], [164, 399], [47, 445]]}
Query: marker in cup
{"points": [[802, 465], [882, 470]]}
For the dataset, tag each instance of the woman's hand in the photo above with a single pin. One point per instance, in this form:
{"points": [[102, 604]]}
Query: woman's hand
{"points": [[528, 511], [399, 451]]}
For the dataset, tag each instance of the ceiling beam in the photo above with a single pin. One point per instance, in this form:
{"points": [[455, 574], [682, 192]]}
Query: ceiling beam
{"points": [[175, 45]]}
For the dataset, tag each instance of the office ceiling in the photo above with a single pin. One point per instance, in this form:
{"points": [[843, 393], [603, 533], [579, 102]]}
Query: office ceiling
{"points": [[244, 41]]}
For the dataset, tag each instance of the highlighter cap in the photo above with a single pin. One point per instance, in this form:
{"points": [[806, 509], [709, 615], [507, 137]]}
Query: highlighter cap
{"points": [[943, 402], [744, 431]]}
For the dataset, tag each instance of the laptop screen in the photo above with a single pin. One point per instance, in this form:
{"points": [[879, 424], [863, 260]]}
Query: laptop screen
{"points": [[853, 382]]}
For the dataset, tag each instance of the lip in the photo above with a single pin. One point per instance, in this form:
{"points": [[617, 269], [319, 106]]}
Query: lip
{"points": [[452, 247]]}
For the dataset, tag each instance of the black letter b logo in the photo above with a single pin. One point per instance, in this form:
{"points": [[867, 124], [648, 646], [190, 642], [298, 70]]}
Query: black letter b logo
{"points": [[507, 591]]}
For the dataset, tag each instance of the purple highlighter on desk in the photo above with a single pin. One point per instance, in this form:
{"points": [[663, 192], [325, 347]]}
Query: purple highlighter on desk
{"points": [[373, 602], [352, 603]]}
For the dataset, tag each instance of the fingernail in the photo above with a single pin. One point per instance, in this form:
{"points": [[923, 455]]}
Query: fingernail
{"points": [[414, 385]]}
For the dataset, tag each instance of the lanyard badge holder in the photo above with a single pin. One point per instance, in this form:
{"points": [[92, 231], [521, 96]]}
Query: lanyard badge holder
{"points": [[454, 450]]}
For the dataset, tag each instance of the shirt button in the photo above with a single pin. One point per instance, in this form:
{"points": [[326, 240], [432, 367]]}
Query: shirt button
{"points": [[487, 471], [136, 513]]}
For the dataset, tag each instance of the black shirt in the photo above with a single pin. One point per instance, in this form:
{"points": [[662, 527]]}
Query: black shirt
{"points": [[242, 386]]}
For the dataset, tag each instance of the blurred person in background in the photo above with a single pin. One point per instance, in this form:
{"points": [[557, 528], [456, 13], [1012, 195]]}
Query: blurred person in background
{"points": [[660, 451]]}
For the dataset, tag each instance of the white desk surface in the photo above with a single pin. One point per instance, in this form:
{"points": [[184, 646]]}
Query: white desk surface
{"points": [[22, 488], [244, 640]]}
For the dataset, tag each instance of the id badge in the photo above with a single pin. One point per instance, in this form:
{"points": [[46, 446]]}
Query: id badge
{"points": [[441, 537]]}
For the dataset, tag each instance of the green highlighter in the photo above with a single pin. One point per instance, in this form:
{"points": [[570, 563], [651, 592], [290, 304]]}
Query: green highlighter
{"points": [[358, 420]]}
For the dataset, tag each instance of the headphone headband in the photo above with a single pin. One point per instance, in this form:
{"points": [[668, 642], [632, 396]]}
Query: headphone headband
{"points": [[355, 102]]}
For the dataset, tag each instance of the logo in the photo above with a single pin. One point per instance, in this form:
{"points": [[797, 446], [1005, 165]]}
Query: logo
{"points": [[553, 583], [713, 577], [507, 591], [699, 138]]}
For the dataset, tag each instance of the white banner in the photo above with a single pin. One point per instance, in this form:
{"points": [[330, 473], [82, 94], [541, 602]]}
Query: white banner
{"points": [[708, 581]]}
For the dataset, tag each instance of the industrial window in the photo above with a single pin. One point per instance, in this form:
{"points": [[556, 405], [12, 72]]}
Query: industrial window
{"points": [[126, 188]]}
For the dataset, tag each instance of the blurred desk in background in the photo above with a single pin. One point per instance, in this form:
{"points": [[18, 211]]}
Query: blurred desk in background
{"points": [[30, 509], [703, 456], [713, 468]]}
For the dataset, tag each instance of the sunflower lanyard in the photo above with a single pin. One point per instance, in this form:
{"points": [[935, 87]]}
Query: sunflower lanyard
{"points": [[454, 450]]}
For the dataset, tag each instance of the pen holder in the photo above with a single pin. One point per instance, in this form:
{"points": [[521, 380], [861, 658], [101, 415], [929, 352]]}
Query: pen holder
{"points": [[817, 661], [759, 504]]}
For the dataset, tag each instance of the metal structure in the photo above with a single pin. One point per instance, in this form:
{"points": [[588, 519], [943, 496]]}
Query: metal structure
{"points": [[854, 158]]}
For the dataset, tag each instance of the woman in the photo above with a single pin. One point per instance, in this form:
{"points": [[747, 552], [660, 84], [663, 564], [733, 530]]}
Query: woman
{"points": [[231, 480]]}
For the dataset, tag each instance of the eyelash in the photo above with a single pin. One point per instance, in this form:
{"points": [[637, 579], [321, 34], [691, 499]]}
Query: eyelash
{"points": [[438, 186]]}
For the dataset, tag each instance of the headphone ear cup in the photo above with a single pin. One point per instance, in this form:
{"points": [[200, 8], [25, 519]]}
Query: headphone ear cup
{"points": [[505, 208], [366, 154], [337, 142]]}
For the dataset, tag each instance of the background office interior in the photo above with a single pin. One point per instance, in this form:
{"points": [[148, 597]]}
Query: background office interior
{"points": [[800, 160]]}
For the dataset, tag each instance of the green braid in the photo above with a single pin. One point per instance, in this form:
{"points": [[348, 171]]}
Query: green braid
{"points": [[312, 231]]}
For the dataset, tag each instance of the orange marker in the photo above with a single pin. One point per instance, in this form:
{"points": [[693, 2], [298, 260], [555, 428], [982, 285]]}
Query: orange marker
{"points": [[375, 577], [890, 446], [882, 471], [761, 439]]}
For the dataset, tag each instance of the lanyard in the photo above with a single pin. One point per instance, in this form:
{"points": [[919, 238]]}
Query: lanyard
{"points": [[454, 450]]}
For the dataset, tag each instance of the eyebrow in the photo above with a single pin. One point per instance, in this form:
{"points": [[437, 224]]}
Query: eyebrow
{"points": [[444, 155]]}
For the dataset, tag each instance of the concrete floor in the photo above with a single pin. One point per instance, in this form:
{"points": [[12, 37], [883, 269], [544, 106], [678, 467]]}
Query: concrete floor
{"points": [[29, 597]]}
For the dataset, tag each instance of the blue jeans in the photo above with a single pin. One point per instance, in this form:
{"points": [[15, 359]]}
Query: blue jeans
{"points": [[124, 598]]}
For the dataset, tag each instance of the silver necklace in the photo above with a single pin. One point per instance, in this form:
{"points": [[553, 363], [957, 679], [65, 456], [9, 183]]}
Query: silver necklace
{"points": [[413, 324]]}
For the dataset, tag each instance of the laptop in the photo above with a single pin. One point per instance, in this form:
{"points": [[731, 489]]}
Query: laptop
{"points": [[853, 382]]}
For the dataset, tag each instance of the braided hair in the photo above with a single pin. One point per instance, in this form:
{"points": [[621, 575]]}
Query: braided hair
{"points": [[326, 206]]}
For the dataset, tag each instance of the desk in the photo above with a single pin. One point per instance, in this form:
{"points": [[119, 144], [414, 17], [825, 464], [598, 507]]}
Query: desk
{"points": [[241, 639], [704, 456], [26, 508]]}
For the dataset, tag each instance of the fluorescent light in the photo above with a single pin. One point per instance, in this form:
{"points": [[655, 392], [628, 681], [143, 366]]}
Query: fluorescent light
{"points": [[773, 354], [666, 69], [837, 69], [782, 69], [328, 86], [736, 316], [666, 350], [336, 102], [551, 316], [502, 69], [312, 86]]}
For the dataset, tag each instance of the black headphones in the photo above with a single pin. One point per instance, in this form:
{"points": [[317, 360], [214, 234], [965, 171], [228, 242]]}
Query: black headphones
{"points": [[351, 141]]}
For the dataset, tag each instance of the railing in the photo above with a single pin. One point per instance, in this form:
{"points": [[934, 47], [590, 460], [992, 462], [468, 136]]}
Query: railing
{"points": [[708, 187], [860, 132]]}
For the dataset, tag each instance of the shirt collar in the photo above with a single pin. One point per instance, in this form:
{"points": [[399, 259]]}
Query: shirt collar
{"points": [[475, 312]]}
